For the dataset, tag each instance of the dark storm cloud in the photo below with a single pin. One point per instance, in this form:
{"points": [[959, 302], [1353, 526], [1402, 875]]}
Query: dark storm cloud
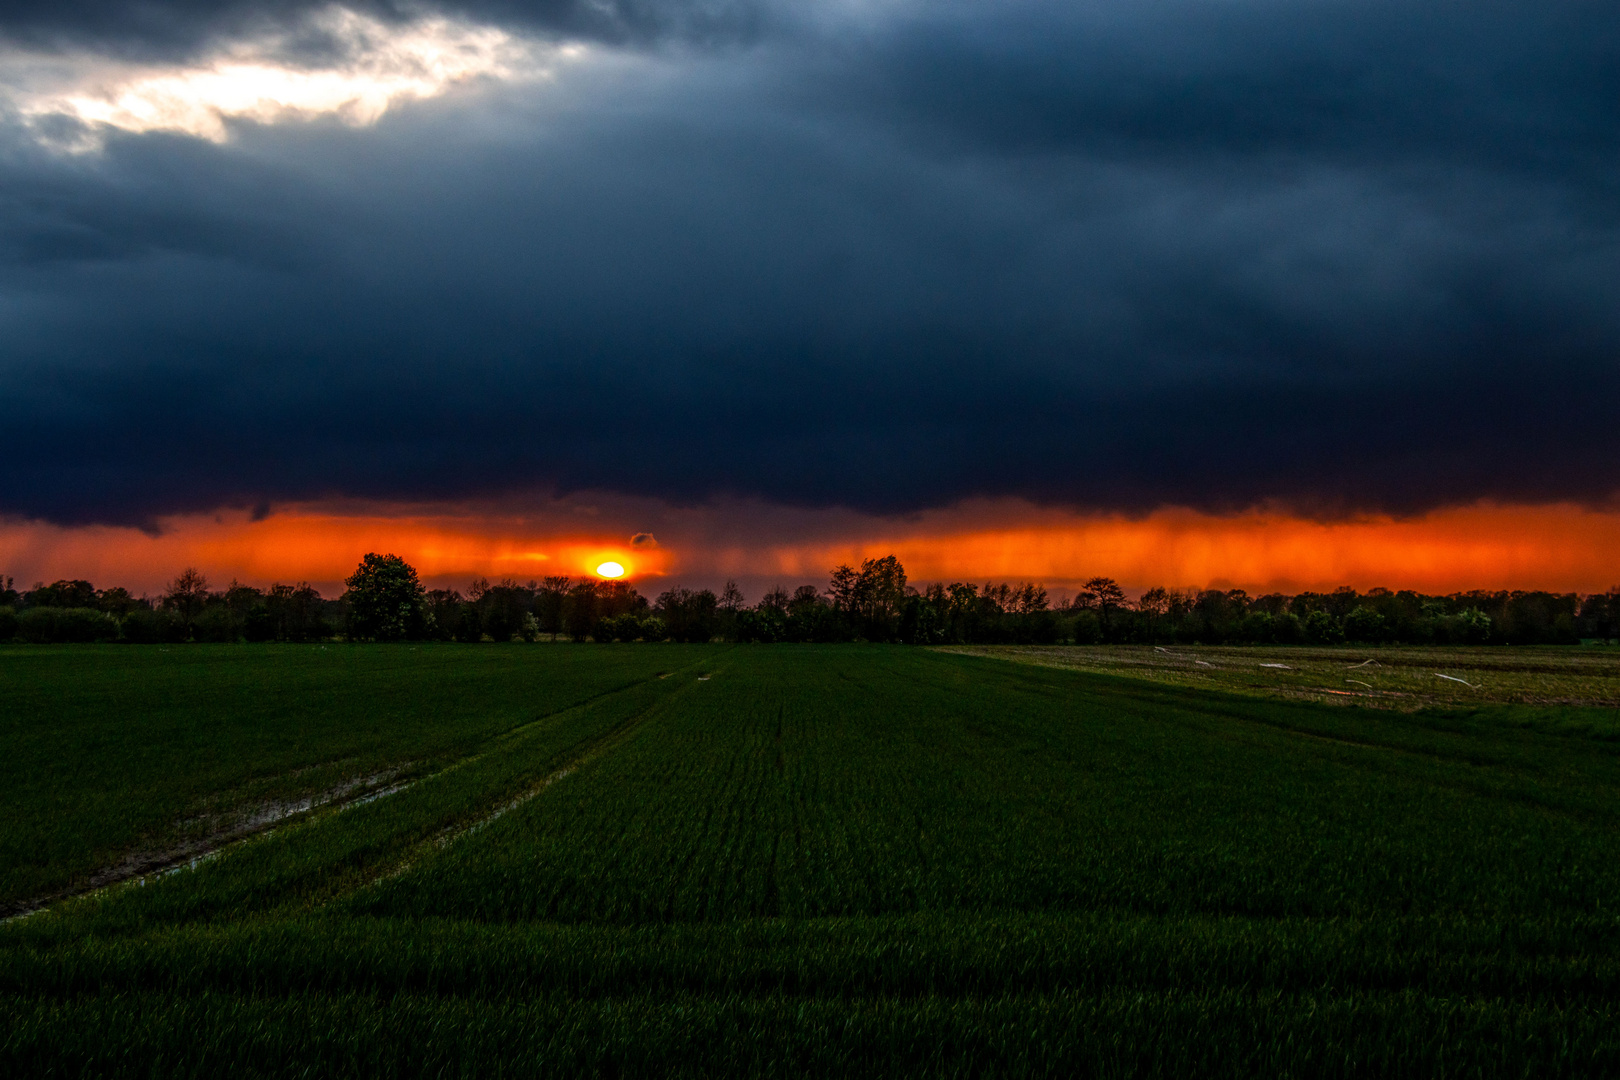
{"points": [[1337, 256], [158, 29], [1493, 83]]}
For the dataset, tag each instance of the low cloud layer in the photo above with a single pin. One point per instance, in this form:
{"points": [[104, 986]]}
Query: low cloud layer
{"points": [[1334, 257]]}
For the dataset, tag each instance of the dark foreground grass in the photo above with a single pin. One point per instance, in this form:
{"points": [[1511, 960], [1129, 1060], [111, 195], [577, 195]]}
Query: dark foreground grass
{"points": [[1207, 1033], [883, 862]]}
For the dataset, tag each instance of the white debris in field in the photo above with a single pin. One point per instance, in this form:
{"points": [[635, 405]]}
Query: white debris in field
{"points": [[1453, 678], [1285, 667], [1203, 663], [1364, 663], [1358, 682]]}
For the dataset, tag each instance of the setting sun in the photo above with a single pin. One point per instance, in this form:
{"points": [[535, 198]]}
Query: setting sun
{"points": [[610, 570]]}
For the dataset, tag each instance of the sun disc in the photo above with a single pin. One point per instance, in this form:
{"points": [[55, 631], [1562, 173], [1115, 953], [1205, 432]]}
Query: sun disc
{"points": [[610, 570]]}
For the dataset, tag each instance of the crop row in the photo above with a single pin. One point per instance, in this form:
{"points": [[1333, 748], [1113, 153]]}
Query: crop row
{"points": [[115, 753], [793, 785]]}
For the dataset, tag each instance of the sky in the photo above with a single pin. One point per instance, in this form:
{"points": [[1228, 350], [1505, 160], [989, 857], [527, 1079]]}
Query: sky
{"points": [[1186, 292]]}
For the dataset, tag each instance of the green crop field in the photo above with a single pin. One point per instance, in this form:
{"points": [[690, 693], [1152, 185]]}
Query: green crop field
{"points": [[526, 860]]}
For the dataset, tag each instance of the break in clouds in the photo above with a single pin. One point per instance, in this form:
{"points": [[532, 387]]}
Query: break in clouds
{"points": [[888, 256]]}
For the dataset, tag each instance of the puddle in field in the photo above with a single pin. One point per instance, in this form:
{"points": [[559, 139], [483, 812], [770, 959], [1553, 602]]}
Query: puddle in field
{"points": [[255, 817], [223, 830]]}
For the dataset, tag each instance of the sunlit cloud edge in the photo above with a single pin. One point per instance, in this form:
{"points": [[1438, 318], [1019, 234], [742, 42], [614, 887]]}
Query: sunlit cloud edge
{"points": [[72, 102]]}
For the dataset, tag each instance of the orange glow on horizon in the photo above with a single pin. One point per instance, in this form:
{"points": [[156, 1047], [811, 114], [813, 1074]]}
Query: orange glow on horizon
{"points": [[1558, 548], [1561, 548], [304, 545]]}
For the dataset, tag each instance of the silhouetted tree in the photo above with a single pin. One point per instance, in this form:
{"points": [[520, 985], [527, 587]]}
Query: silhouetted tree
{"points": [[296, 612], [63, 594], [690, 615], [619, 598], [871, 597], [579, 611], [923, 619], [186, 596], [730, 604], [384, 599], [118, 601], [1153, 606], [502, 608], [549, 603], [441, 613], [844, 588], [1600, 615], [1105, 597]]}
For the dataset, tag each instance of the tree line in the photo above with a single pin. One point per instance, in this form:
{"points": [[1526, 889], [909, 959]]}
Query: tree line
{"points": [[384, 600]]}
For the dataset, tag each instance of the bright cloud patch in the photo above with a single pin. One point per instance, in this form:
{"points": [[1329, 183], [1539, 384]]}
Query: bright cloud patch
{"points": [[369, 66]]}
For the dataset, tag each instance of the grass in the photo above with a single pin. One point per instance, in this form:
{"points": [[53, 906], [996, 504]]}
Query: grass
{"points": [[876, 861], [121, 758]]}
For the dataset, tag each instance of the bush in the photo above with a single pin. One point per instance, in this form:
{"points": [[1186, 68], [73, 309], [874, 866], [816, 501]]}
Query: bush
{"points": [[654, 629], [216, 624], [259, 625], [1033, 628], [1321, 628], [52, 625], [1087, 628], [1286, 629], [144, 626], [1564, 632], [764, 625], [1258, 627], [469, 628], [1364, 626], [624, 627], [8, 623], [1470, 627]]}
